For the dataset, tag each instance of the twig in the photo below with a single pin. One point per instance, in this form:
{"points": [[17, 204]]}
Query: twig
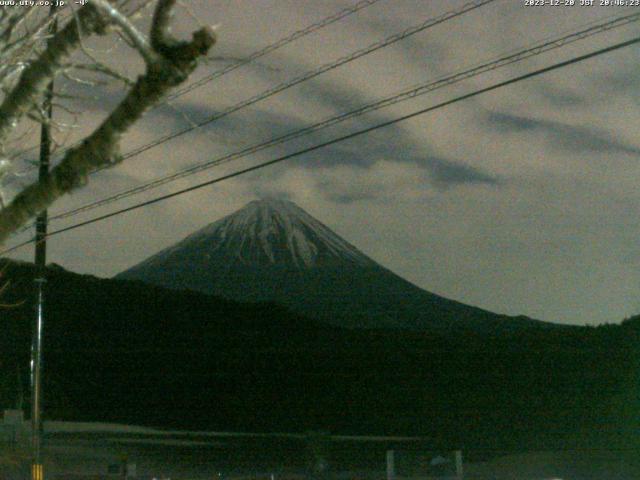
{"points": [[172, 63]]}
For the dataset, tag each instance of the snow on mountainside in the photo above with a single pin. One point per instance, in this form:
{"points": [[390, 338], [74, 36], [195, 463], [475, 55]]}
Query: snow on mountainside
{"points": [[270, 231], [272, 250]]}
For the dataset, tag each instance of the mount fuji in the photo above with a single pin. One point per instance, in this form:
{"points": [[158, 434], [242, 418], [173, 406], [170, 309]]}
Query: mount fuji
{"points": [[271, 250]]}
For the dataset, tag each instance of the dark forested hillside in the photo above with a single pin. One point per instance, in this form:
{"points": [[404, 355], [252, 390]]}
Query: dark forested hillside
{"points": [[126, 352]]}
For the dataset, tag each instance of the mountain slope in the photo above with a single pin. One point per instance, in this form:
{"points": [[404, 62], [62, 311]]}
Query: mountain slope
{"points": [[272, 250]]}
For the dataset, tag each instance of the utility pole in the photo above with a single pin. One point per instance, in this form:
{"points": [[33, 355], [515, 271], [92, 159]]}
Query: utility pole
{"points": [[37, 470]]}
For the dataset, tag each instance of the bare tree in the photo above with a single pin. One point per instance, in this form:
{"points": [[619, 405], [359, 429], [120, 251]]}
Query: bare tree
{"points": [[31, 59]]}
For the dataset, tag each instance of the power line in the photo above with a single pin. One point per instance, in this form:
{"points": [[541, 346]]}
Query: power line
{"points": [[431, 22], [388, 101], [312, 74], [274, 46], [324, 22], [358, 133]]}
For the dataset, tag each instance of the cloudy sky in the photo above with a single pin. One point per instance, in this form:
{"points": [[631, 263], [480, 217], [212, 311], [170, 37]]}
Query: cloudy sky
{"points": [[521, 201]]}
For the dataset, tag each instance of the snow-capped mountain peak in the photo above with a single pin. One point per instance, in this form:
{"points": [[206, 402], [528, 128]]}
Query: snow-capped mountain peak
{"points": [[272, 250], [270, 231]]}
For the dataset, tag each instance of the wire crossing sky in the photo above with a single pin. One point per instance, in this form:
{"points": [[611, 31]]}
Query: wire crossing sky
{"points": [[467, 96], [516, 200], [422, 89], [314, 27], [429, 23]]}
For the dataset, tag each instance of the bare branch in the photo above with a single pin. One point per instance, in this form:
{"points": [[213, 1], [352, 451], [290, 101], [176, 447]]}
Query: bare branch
{"points": [[37, 75], [136, 38], [160, 28], [176, 60], [137, 10], [102, 69], [14, 51], [3, 288]]}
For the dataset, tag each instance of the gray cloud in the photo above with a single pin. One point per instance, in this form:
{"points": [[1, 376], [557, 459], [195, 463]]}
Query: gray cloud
{"points": [[450, 173], [347, 198], [570, 138], [620, 77], [393, 142], [621, 81], [562, 98], [420, 50]]}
